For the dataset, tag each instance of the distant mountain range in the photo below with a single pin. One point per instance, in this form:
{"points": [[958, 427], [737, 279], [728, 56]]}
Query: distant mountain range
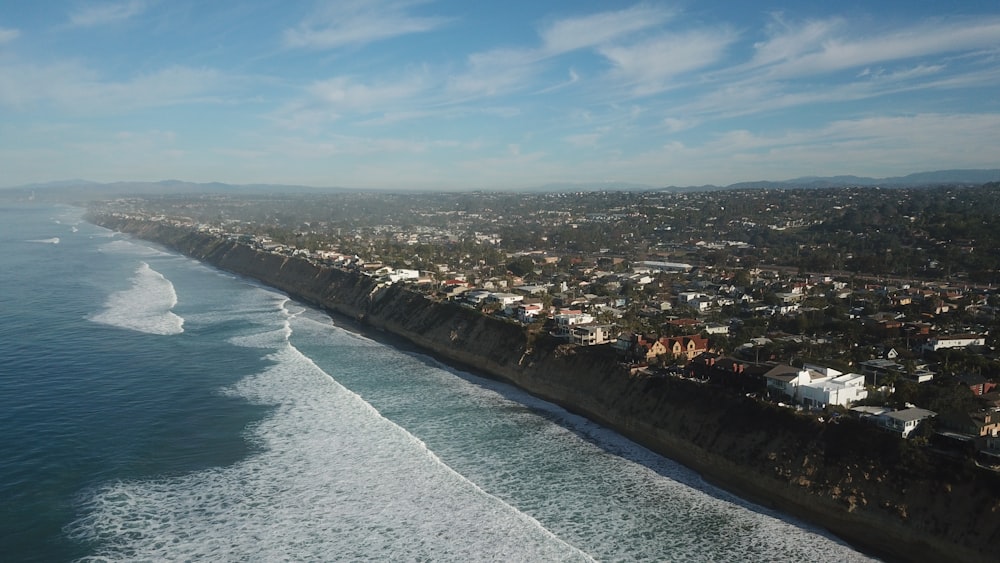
{"points": [[84, 190], [937, 177], [919, 179]]}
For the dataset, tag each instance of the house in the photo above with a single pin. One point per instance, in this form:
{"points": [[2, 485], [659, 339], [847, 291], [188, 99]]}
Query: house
{"points": [[505, 299], [477, 296], [667, 266], [716, 328], [976, 382], [982, 423], [904, 421], [815, 386], [941, 342], [527, 312], [566, 319], [684, 346], [592, 334]]}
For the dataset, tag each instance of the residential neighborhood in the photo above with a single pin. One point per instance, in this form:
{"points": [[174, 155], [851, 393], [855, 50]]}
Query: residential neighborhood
{"points": [[911, 349]]}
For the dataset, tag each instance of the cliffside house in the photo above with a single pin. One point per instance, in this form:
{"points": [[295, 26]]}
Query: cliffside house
{"points": [[592, 334], [905, 421], [815, 386], [566, 319], [686, 347], [505, 299], [527, 312]]}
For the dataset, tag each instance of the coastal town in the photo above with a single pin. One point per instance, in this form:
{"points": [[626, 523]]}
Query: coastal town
{"points": [[829, 353], [679, 287]]}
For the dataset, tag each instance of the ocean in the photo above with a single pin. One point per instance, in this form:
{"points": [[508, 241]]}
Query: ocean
{"points": [[154, 408]]}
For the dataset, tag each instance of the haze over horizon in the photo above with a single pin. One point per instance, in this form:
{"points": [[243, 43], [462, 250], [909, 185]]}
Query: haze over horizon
{"points": [[420, 94]]}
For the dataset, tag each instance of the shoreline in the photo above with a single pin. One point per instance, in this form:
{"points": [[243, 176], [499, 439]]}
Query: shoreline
{"points": [[760, 454]]}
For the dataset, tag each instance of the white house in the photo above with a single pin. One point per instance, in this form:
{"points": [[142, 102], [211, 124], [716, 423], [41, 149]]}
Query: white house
{"points": [[815, 386], [716, 328], [526, 312], [954, 341], [566, 320], [403, 274], [667, 266], [505, 299], [904, 421]]}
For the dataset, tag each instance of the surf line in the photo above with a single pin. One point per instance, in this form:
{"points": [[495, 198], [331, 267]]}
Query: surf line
{"points": [[421, 445]]}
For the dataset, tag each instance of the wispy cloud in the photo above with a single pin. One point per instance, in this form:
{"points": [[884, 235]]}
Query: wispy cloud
{"points": [[7, 35], [504, 70], [77, 89], [499, 71], [602, 28], [329, 100], [649, 66], [94, 14], [359, 22], [818, 47], [583, 139]]}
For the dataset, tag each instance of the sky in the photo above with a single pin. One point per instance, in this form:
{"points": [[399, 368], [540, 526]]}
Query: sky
{"points": [[412, 94]]}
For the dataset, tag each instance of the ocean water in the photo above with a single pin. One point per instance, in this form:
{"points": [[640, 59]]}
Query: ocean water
{"points": [[153, 408]]}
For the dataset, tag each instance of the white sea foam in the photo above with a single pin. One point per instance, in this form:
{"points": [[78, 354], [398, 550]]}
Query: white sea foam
{"points": [[124, 246], [53, 240], [334, 480], [144, 307], [585, 483]]}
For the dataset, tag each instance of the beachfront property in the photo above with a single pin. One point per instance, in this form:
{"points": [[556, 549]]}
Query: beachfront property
{"points": [[815, 386], [904, 421], [593, 334]]}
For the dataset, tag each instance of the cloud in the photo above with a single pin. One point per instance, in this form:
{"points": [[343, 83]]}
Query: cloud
{"points": [[818, 47], [583, 139], [504, 70], [342, 96], [91, 15], [343, 93], [358, 22], [649, 66], [7, 35], [673, 124], [598, 29], [496, 72], [77, 89], [787, 42]]}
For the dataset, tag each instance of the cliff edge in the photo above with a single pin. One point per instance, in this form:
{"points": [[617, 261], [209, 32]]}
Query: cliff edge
{"points": [[883, 494]]}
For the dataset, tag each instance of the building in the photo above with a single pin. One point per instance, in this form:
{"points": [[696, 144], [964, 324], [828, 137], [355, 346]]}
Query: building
{"points": [[942, 342], [592, 334], [815, 386], [686, 347], [904, 421]]}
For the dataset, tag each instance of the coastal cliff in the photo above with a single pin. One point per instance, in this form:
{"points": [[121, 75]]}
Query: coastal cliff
{"points": [[869, 487]]}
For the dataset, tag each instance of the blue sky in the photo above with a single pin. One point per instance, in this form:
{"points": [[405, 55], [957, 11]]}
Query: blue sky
{"points": [[395, 94]]}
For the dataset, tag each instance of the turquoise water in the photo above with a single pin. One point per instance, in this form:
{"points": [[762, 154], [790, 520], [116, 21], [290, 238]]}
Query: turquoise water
{"points": [[154, 408]]}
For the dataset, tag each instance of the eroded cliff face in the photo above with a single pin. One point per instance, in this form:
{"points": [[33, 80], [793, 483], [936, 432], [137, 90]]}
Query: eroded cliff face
{"points": [[869, 487]]}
